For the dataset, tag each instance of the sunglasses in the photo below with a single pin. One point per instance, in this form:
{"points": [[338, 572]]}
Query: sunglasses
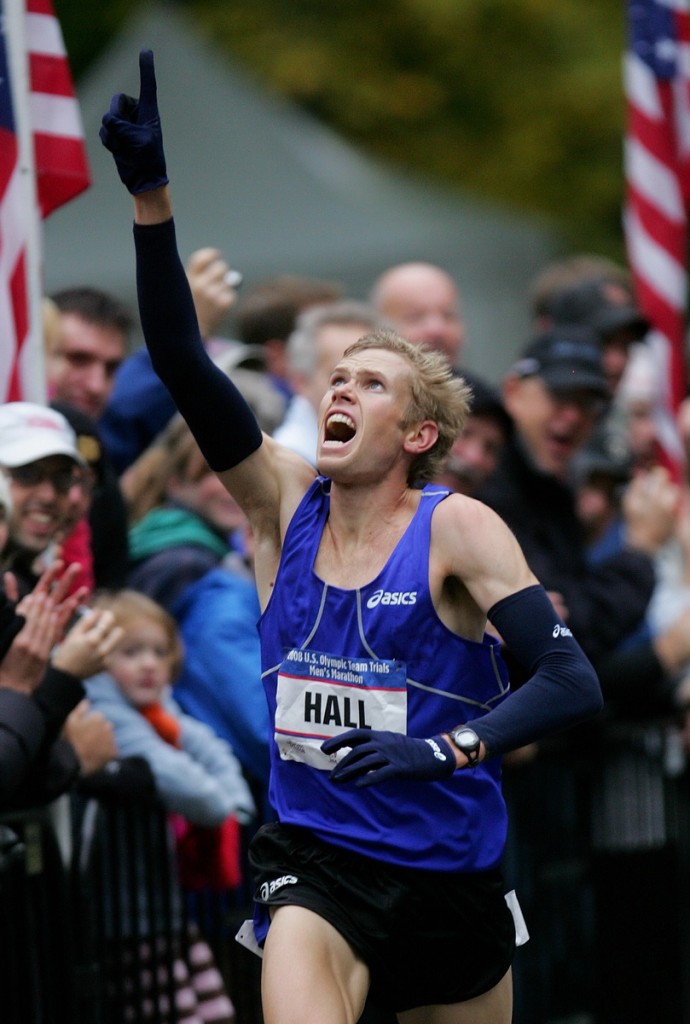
{"points": [[63, 480], [588, 402]]}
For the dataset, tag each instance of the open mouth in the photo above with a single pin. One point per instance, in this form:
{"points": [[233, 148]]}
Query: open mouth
{"points": [[561, 443], [40, 522], [339, 429]]}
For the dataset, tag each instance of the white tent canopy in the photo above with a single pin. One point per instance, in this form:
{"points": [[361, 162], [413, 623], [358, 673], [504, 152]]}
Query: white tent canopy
{"points": [[278, 192]]}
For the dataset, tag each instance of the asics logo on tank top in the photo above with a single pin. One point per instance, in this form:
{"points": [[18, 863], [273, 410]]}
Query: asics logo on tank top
{"points": [[386, 597], [561, 631]]}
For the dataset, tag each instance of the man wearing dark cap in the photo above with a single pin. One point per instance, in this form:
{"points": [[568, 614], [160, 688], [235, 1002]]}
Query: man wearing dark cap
{"points": [[607, 307], [557, 390], [556, 393]]}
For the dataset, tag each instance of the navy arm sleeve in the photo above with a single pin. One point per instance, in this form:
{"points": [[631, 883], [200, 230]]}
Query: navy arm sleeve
{"points": [[562, 688], [218, 416]]}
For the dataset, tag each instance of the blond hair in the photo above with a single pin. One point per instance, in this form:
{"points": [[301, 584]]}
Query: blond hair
{"points": [[436, 393], [174, 454], [130, 606]]}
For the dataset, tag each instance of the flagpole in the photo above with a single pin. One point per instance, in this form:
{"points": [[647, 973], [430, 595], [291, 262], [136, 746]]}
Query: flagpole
{"points": [[32, 366]]}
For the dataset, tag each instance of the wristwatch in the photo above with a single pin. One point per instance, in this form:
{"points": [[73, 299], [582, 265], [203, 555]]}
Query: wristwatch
{"points": [[466, 740]]}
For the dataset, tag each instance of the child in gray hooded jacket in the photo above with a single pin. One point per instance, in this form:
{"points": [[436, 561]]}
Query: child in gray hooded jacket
{"points": [[197, 775]]}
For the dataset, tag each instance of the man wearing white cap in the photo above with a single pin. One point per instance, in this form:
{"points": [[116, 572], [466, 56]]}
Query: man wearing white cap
{"points": [[40, 460]]}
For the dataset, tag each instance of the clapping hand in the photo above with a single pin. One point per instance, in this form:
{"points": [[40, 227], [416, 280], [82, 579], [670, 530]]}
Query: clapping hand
{"points": [[25, 663], [650, 506], [45, 613], [55, 585], [131, 130], [92, 736], [88, 644]]}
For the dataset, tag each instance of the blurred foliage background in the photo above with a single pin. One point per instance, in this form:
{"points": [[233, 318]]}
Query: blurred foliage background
{"points": [[517, 101]]}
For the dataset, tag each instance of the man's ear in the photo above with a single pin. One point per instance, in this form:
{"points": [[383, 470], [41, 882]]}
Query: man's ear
{"points": [[421, 437]]}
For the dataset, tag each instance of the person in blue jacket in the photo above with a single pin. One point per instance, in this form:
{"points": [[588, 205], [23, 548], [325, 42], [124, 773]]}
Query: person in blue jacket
{"points": [[191, 551], [390, 705]]}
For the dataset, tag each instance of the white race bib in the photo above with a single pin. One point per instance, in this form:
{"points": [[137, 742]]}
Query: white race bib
{"points": [[321, 695]]}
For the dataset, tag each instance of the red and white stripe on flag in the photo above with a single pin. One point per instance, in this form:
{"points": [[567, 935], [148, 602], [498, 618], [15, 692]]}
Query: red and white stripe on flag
{"points": [[657, 170], [14, 304], [61, 173], [62, 170]]}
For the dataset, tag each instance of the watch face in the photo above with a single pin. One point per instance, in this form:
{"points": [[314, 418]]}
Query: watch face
{"points": [[466, 738], [467, 741]]}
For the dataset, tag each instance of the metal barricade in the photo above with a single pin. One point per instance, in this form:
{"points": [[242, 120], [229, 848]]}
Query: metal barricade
{"points": [[36, 980], [94, 925], [136, 920], [127, 902], [599, 851], [91, 923]]}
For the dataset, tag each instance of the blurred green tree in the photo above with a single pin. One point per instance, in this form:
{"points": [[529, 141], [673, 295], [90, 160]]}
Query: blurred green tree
{"points": [[517, 102]]}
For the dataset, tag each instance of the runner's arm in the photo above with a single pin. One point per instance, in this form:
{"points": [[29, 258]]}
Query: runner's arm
{"points": [[562, 687]]}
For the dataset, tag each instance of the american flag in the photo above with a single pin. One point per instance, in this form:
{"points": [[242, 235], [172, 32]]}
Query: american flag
{"points": [[657, 169], [61, 173]]}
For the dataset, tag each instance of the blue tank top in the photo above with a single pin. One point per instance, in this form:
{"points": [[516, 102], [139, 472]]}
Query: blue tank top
{"points": [[377, 656]]}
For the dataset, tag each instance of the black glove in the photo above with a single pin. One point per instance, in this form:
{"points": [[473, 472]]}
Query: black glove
{"points": [[10, 623], [131, 130], [377, 756]]}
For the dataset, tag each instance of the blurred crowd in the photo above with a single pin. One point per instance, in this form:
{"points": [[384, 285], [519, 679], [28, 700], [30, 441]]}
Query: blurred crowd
{"points": [[129, 655]]}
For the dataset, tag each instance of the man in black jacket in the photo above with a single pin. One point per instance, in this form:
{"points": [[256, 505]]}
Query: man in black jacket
{"points": [[555, 394]]}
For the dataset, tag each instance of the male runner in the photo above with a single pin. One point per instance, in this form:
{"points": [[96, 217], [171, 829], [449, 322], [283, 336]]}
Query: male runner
{"points": [[390, 704]]}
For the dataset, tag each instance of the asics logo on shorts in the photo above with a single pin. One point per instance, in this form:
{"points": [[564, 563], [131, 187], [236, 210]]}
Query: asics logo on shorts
{"points": [[269, 888], [561, 631], [392, 597]]}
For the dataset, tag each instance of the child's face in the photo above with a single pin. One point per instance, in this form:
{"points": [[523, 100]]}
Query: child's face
{"points": [[140, 664]]}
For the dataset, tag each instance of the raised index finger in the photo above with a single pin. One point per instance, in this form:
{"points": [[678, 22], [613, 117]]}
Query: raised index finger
{"points": [[148, 102]]}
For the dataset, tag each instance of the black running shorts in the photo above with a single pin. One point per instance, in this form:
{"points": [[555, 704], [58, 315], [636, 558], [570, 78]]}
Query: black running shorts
{"points": [[427, 937]]}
